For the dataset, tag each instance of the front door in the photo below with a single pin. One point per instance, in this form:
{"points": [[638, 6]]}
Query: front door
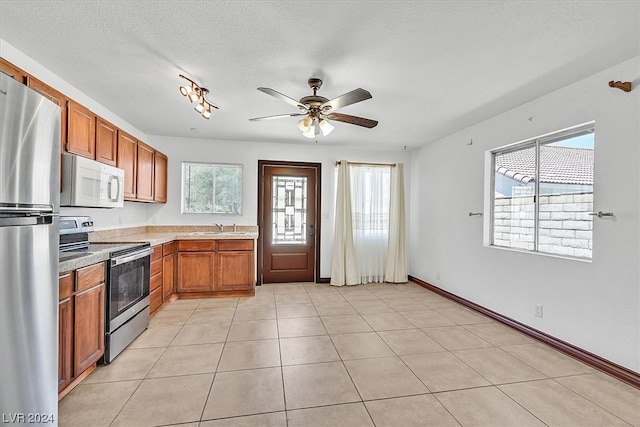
{"points": [[288, 214]]}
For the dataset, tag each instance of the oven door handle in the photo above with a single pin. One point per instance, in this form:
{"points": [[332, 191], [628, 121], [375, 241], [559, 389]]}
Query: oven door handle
{"points": [[131, 257]]}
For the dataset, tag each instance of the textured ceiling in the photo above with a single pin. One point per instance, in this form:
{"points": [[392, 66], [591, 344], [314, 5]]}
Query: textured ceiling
{"points": [[433, 67]]}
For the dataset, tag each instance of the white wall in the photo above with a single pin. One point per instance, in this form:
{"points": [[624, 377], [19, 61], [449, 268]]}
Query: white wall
{"points": [[248, 154], [595, 305]]}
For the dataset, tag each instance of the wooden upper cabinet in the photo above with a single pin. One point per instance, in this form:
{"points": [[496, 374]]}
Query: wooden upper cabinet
{"points": [[160, 178], [57, 98], [144, 184], [106, 142], [12, 71], [81, 130], [127, 160]]}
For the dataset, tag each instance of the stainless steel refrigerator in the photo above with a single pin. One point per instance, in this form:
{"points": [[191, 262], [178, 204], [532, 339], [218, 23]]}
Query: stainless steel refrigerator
{"points": [[29, 205]]}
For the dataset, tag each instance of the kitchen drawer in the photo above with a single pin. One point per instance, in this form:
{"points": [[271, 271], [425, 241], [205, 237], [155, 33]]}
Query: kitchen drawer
{"points": [[89, 277], [235, 245], [156, 266], [156, 280], [196, 245], [66, 286], [168, 248], [156, 253]]}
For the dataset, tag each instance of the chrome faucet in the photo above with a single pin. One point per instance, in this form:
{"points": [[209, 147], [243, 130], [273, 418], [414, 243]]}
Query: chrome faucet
{"points": [[235, 227], [220, 227]]}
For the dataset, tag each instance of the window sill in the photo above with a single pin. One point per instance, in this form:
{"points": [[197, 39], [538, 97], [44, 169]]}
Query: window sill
{"points": [[524, 251]]}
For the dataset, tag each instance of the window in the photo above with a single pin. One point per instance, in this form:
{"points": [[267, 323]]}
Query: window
{"points": [[211, 188], [289, 210], [543, 194]]}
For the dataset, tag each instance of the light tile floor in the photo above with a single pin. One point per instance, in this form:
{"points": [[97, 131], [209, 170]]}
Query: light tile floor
{"points": [[314, 355]]}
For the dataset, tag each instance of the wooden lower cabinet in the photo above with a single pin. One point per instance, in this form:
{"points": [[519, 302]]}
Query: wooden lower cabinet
{"points": [[88, 334], [161, 286], [235, 271], [81, 321], [155, 283], [215, 267], [65, 332], [196, 271], [168, 270]]}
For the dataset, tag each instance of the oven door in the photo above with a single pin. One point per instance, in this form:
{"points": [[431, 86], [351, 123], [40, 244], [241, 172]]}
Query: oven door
{"points": [[128, 287]]}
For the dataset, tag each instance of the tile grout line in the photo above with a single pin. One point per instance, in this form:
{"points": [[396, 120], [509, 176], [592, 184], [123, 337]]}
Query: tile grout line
{"points": [[589, 400], [388, 297], [215, 373]]}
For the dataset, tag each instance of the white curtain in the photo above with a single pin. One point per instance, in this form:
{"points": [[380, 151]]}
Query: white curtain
{"points": [[343, 265], [369, 240], [370, 187], [396, 262]]}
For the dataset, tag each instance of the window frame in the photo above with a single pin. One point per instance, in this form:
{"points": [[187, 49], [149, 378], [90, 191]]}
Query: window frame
{"points": [[213, 166], [536, 143]]}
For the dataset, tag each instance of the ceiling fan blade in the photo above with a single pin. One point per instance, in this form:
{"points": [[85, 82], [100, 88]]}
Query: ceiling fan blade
{"points": [[348, 98], [280, 96], [360, 121], [279, 116]]}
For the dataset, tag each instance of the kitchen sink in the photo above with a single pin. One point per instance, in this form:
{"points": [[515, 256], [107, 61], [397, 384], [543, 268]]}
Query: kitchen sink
{"points": [[216, 233], [204, 233]]}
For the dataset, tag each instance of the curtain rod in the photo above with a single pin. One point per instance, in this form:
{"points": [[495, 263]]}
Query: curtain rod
{"points": [[393, 165]]}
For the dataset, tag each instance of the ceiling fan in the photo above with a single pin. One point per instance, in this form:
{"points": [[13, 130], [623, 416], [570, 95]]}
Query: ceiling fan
{"points": [[318, 110]]}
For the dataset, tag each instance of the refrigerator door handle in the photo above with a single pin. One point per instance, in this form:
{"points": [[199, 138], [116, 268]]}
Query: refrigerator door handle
{"points": [[19, 208], [26, 220]]}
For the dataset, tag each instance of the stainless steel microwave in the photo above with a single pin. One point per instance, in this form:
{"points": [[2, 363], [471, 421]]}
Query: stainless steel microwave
{"points": [[87, 183]]}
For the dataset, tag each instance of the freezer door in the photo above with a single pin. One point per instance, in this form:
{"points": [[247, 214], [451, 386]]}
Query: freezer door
{"points": [[29, 319], [29, 147]]}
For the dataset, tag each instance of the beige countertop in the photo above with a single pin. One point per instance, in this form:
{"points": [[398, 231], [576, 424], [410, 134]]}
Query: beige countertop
{"points": [[158, 238], [155, 235]]}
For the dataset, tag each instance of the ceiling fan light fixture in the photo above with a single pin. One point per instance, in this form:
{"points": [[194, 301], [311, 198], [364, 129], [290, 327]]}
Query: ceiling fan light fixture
{"points": [[197, 93], [305, 123], [325, 127], [316, 109], [310, 133]]}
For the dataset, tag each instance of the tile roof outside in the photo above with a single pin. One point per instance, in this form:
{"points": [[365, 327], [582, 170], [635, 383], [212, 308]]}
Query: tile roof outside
{"points": [[558, 165]]}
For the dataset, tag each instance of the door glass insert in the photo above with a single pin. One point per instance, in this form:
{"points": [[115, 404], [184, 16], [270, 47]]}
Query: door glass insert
{"points": [[289, 210]]}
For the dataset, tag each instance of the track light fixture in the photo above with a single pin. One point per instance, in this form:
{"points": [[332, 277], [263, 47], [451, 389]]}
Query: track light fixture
{"points": [[194, 92]]}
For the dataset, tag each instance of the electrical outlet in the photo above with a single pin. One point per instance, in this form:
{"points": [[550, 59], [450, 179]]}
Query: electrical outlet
{"points": [[538, 312]]}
